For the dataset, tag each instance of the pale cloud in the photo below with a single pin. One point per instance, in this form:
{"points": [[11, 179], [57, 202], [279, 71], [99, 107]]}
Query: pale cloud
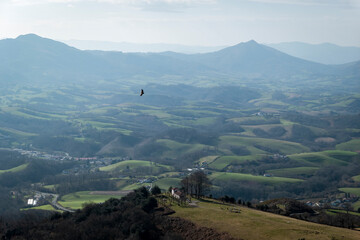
{"points": [[127, 2], [334, 3]]}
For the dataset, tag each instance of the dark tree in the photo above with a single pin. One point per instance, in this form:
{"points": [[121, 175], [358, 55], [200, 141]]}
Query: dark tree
{"points": [[155, 190]]}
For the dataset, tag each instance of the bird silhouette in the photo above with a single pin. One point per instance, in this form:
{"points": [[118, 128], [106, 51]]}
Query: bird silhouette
{"points": [[142, 92]]}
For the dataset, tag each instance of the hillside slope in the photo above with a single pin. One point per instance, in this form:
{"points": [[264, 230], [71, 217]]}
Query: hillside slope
{"points": [[250, 224]]}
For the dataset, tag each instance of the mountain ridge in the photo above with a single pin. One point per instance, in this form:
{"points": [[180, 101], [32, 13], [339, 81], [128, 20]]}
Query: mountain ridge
{"points": [[325, 53], [33, 58]]}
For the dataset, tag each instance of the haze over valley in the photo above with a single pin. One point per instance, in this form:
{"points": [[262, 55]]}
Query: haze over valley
{"points": [[207, 135]]}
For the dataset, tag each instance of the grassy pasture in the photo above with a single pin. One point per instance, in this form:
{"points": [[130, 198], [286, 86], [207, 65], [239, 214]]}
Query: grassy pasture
{"points": [[317, 159], [165, 183], [169, 174], [77, 199], [356, 178], [47, 207], [133, 164], [334, 211], [253, 224], [15, 169], [352, 145], [222, 162], [293, 171], [176, 148], [355, 191], [134, 186], [222, 176]]}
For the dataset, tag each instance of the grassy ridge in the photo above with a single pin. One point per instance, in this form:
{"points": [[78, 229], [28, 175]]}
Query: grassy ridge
{"points": [[253, 224], [133, 164], [165, 183], [318, 159], [352, 145]]}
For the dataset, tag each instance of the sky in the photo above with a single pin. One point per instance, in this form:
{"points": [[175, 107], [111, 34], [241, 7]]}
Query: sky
{"points": [[187, 22]]}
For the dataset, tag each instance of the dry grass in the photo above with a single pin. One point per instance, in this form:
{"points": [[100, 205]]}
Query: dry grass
{"points": [[253, 224]]}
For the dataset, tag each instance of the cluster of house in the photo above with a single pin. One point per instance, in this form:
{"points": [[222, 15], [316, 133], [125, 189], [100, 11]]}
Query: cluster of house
{"points": [[338, 202], [146, 180], [33, 201], [266, 114], [43, 155], [277, 156], [87, 166], [195, 169]]}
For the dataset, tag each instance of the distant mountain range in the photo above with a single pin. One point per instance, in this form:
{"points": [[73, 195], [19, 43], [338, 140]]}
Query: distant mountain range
{"points": [[35, 59], [140, 47], [325, 53]]}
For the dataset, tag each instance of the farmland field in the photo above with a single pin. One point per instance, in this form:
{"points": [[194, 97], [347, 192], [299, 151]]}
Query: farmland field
{"points": [[77, 199], [220, 176]]}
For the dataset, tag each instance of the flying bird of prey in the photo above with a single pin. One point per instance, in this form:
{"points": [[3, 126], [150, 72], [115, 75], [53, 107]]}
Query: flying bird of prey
{"points": [[142, 92]]}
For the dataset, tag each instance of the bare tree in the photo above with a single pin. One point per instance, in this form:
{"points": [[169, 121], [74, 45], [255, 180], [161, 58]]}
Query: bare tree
{"points": [[196, 184]]}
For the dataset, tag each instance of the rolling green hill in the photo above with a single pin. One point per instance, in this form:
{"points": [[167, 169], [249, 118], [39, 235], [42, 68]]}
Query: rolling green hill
{"points": [[321, 158], [275, 145], [352, 145]]}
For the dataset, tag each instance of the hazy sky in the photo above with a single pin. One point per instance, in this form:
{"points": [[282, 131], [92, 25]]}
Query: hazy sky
{"points": [[190, 22]]}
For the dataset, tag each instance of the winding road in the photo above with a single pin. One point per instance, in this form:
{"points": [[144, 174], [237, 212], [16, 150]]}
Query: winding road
{"points": [[54, 202]]}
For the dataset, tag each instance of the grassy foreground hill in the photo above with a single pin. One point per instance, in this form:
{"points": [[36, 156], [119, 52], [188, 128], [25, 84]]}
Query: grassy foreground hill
{"points": [[246, 223]]}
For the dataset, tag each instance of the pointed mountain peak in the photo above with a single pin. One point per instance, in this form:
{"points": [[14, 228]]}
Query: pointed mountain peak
{"points": [[247, 44], [251, 42], [28, 36]]}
